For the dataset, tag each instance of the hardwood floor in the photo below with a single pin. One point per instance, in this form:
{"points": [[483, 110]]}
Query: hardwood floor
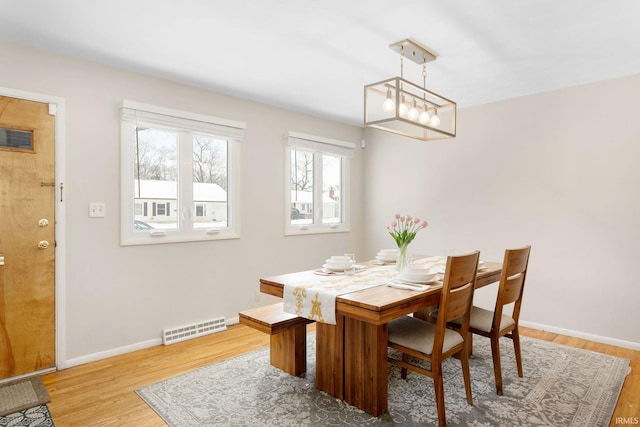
{"points": [[102, 393]]}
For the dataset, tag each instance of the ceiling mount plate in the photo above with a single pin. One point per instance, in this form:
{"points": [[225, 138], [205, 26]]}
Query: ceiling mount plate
{"points": [[414, 51]]}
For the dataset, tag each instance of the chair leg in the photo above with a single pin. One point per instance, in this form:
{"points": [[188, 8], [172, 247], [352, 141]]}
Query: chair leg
{"points": [[403, 371], [438, 384], [466, 373], [516, 347], [497, 370]]}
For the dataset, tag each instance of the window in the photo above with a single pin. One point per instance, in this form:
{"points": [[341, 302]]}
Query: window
{"points": [[16, 139], [201, 210], [317, 193], [180, 176]]}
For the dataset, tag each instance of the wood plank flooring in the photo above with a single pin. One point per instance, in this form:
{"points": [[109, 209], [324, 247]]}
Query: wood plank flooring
{"points": [[102, 393]]}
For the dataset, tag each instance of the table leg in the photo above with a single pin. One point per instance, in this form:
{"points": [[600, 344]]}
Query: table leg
{"points": [[365, 366], [329, 357]]}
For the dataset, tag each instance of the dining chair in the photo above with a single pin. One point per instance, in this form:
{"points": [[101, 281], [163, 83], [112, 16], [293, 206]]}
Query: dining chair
{"points": [[496, 324], [434, 343]]}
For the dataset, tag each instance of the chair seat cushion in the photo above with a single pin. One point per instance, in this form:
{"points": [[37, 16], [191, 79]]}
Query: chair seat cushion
{"points": [[418, 335], [482, 320]]}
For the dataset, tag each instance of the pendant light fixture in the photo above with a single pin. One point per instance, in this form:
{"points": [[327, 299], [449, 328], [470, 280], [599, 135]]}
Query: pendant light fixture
{"points": [[396, 105]]}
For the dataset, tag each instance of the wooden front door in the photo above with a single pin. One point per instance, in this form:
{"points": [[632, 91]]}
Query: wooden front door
{"points": [[27, 240]]}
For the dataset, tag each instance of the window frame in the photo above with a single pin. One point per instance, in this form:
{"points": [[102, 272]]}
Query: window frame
{"points": [[188, 125], [319, 146]]}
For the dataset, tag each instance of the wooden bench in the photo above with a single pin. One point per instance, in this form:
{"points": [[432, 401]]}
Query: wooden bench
{"points": [[288, 336]]}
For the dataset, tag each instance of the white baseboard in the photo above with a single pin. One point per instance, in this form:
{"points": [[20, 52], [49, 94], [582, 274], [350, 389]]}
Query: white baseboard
{"points": [[234, 320], [582, 335], [113, 352], [126, 349]]}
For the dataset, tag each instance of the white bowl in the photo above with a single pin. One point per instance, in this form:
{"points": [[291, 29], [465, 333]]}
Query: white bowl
{"points": [[339, 258], [337, 265], [418, 274], [419, 278], [387, 254], [419, 270]]}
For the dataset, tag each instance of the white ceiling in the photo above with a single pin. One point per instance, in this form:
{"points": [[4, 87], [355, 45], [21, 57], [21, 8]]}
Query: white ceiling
{"points": [[316, 56]]}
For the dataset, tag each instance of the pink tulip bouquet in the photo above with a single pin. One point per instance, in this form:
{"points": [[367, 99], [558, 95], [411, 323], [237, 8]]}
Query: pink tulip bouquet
{"points": [[403, 229]]}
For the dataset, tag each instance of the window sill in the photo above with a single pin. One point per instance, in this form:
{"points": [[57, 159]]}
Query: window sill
{"points": [[147, 239], [301, 231]]}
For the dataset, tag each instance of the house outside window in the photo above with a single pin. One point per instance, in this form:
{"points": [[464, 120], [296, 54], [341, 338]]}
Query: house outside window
{"points": [[180, 176], [317, 193]]}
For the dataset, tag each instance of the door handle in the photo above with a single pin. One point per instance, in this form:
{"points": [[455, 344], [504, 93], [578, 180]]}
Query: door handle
{"points": [[43, 244], [1, 259]]}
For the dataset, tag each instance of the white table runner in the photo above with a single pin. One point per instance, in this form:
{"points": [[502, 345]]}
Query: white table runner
{"points": [[315, 298]]}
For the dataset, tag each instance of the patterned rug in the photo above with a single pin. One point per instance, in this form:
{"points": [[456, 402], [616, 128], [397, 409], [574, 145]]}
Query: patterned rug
{"points": [[562, 386], [38, 416], [22, 403], [22, 394]]}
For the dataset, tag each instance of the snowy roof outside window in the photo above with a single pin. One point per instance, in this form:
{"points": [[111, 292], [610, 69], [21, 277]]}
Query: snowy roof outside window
{"points": [[202, 191]]}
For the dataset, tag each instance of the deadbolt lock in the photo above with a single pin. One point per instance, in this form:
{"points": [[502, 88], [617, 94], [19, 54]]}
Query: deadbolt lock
{"points": [[43, 244], [43, 222]]}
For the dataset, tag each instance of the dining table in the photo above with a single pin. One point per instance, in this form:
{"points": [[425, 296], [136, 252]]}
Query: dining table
{"points": [[351, 355]]}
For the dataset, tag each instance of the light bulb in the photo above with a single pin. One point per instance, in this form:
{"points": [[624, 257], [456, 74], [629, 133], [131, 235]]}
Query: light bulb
{"points": [[403, 109], [424, 117], [435, 121], [413, 112], [388, 104]]}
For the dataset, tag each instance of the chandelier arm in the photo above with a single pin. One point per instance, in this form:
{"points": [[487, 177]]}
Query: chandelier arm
{"points": [[401, 62], [424, 78]]}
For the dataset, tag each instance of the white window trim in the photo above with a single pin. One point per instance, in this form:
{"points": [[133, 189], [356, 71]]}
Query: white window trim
{"points": [[134, 113], [318, 144]]}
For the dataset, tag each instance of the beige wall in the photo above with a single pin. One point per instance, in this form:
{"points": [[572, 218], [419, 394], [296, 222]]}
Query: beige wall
{"points": [[117, 297], [553, 170], [558, 171]]}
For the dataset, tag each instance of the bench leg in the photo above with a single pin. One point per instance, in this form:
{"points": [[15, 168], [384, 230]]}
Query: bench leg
{"points": [[289, 350]]}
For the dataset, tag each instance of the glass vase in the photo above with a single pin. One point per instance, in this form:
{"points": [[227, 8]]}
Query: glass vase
{"points": [[401, 260]]}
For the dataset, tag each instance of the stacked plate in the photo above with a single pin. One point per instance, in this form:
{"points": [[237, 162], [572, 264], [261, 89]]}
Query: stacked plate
{"points": [[338, 263], [418, 274], [387, 255]]}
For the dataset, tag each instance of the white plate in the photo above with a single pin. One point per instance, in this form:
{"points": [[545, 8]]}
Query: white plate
{"points": [[332, 268], [379, 258], [341, 270]]}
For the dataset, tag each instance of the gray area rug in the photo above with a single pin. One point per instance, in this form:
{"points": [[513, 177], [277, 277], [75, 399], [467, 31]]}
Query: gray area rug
{"points": [[562, 386]]}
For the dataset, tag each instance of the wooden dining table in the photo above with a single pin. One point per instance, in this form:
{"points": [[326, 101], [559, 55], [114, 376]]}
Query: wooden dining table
{"points": [[351, 356]]}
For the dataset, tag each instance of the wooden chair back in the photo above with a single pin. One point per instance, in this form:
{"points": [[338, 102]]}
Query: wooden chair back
{"points": [[457, 293], [512, 279]]}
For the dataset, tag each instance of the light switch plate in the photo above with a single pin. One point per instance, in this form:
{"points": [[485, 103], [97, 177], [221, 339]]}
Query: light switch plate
{"points": [[96, 210]]}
